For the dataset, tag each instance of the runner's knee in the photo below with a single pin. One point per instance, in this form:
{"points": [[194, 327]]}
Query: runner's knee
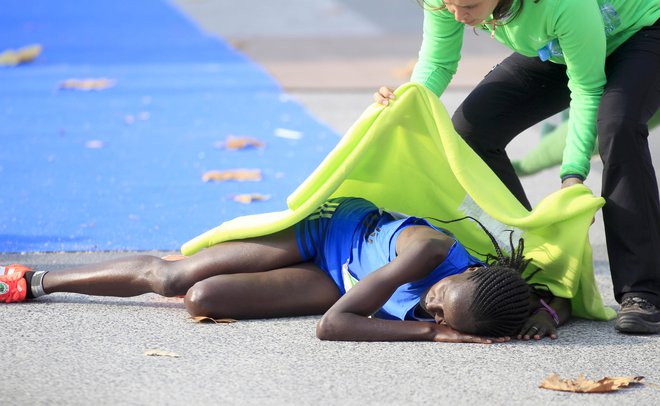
{"points": [[209, 299]]}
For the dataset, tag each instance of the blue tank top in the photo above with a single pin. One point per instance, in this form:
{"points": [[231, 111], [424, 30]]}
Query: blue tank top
{"points": [[349, 238], [376, 247]]}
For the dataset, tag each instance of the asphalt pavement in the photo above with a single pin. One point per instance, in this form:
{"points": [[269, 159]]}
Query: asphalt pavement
{"points": [[68, 349]]}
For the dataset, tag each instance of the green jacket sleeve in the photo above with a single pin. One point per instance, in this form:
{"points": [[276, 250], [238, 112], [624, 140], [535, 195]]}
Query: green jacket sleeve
{"points": [[440, 51], [581, 35]]}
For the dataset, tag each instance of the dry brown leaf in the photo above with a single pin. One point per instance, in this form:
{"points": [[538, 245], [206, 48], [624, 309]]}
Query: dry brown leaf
{"points": [[86, 84], [13, 57], [234, 143], [238, 44], [253, 175], [204, 319], [583, 385], [248, 198], [160, 353]]}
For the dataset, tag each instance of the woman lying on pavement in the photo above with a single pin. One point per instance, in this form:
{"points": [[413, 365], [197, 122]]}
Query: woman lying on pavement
{"points": [[374, 275]]}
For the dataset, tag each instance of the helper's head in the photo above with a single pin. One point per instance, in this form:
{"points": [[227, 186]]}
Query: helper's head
{"points": [[475, 12]]}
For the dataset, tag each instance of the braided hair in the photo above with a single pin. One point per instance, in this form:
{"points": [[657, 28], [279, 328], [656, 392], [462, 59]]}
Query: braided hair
{"points": [[501, 295]]}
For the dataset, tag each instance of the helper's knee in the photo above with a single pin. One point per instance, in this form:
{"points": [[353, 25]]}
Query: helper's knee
{"points": [[478, 140], [465, 130], [624, 134]]}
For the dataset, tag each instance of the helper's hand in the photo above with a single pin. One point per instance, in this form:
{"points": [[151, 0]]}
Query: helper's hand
{"points": [[384, 95], [539, 325], [570, 182], [446, 334], [574, 181]]}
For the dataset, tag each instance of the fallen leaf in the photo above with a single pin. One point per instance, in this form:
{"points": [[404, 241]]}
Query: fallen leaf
{"points": [[253, 175], [161, 353], [238, 44], [86, 84], [248, 198], [204, 319], [13, 57], [583, 385], [234, 143]]}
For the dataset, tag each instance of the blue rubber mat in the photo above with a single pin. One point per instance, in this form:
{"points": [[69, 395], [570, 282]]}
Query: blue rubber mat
{"points": [[121, 168]]}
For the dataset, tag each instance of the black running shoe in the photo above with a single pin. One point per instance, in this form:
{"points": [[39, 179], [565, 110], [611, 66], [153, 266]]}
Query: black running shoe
{"points": [[638, 316]]}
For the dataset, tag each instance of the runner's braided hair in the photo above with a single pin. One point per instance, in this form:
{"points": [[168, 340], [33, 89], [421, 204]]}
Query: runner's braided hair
{"points": [[501, 295]]}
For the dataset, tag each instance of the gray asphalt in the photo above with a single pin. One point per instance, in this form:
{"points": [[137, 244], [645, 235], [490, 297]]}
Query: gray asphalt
{"points": [[330, 55]]}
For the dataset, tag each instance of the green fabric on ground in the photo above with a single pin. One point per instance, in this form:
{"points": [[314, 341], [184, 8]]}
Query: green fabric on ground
{"points": [[548, 153], [408, 158]]}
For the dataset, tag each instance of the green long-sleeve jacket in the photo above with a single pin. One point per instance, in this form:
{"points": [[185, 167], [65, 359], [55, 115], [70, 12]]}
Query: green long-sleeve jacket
{"points": [[577, 33]]}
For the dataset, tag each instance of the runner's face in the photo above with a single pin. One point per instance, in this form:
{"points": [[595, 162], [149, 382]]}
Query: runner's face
{"points": [[471, 12], [448, 300]]}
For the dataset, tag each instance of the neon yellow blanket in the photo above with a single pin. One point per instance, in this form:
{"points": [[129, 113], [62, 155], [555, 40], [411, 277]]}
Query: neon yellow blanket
{"points": [[408, 158]]}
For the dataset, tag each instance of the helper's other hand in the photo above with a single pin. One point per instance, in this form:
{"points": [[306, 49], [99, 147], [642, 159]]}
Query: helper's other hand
{"points": [[570, 182], [574, 181], [384, 96]]}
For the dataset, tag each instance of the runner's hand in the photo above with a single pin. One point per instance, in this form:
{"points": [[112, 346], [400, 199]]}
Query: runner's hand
{"points": [[446, 334], [538, 325]]}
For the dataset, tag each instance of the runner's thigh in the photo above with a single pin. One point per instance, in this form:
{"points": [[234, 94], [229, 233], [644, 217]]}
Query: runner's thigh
{"points": [[298, 290], [257, 254]]}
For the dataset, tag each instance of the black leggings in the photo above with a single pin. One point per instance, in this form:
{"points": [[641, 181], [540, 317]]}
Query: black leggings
{"points": [[522, 91]]}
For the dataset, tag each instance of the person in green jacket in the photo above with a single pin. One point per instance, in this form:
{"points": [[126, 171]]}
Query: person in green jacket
{"points": [[601, 58]]}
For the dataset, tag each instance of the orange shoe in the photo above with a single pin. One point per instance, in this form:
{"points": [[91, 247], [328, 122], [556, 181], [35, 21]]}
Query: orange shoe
{"points": [[13, 287]]}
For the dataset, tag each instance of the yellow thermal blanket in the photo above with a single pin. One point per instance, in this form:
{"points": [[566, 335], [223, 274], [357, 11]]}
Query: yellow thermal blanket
{"points": [[408, 158]]}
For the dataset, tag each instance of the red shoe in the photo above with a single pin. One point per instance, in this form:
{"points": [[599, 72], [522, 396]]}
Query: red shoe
{"points": [[12, 283]]}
